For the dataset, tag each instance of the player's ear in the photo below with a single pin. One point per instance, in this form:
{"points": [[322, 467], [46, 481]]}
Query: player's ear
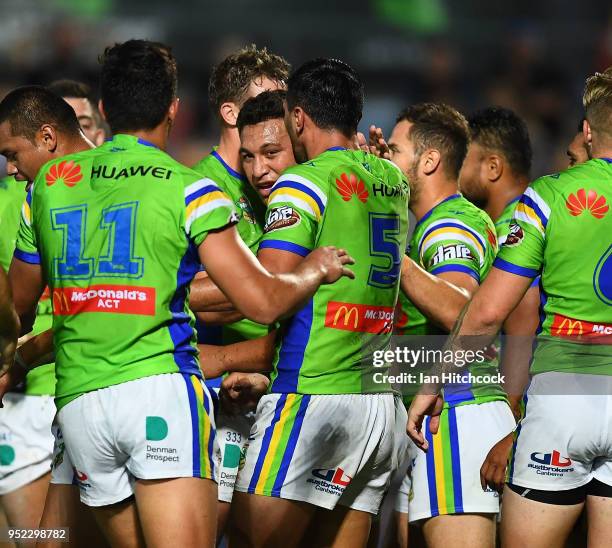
{"points": [[229, 113], [430, 161], [173, 110], [586, 132], [101, 109], [494, 168], [47, 137], [298, 118]]}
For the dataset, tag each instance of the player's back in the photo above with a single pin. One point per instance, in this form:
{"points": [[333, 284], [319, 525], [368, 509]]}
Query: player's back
{"points": [[563, 228], [111, 226], [351, 200]]}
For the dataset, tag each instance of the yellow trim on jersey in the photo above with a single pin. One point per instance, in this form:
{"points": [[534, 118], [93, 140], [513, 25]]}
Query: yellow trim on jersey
{"points": [[449, 232], [530, 216], [300, 196]]}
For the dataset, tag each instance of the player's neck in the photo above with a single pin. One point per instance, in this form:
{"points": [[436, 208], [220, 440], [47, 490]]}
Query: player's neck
{"points": [[430, 196], [320, 140], [504, 192], [157, 136], [600, 152], [75, 144], [229, 148]]}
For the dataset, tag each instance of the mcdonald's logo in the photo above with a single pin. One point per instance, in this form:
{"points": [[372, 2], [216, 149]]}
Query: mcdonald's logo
{"points": [[60, 302], [598, 333], [359, 317], [348, 313], [568, 326]]}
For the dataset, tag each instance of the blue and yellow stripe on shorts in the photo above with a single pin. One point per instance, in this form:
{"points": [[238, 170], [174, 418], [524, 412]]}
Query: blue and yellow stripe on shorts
{"points": [[203, 433], [444, 466], [278, 445]]}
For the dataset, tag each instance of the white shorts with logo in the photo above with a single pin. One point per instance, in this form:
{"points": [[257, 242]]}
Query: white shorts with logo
{"points": [[446, 479], [26, 442], [325, 449], [565, 436], [232, 435], [62, 471], [155, 427]]}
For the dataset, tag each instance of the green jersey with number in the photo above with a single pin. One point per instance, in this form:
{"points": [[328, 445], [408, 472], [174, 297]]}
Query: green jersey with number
{"points": [[352, 200], [454, 236], [562, 229], [251, 212], [116, 230]]}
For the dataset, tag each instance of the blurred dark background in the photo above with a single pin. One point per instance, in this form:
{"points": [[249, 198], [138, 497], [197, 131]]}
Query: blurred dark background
{"points": [[531, 56]]}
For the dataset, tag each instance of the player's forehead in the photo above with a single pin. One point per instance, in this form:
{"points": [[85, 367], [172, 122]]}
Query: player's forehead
{"points": [[401, 133], [80, 105], [268, 132], [259, 84], [8, 141]]}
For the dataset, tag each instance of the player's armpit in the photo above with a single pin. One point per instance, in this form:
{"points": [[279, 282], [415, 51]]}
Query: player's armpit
{"points": [[440, 298], [27, 285], [252, 356]]}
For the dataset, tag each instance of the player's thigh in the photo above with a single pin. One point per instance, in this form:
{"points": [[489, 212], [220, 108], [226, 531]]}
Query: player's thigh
{"points": [[177, 512], [120, 524], [529, 523], [258, 520], [460, 531], [599, 516], [63, 508], [341, 527], [24, 506]]}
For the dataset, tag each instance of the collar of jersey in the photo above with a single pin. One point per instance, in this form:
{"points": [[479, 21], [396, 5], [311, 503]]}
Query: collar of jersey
{"points": [[426, 216], [124, 136], [227, 168], [609, 160], [332, 149]]}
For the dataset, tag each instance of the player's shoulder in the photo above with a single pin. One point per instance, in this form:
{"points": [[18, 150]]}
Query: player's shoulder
{"points": [[311, 174]]}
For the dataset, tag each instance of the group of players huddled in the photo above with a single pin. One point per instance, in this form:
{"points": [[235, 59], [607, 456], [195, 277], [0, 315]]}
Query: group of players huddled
{"points": [[212, 329]]}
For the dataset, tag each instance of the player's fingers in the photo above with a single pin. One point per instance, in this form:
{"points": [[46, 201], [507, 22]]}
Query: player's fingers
{"points": [[483, 474], [348, 273], [373, 135], [347, 259], [434, 424]]}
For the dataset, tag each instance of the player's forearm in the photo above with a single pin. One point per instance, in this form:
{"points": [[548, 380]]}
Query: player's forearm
{"points": [[219, 318], [38, 350], [205, 296], [419, 286], [9, 324], [254, 356]]}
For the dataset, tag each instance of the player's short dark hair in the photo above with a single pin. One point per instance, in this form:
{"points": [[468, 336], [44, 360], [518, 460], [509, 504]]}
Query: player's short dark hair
{"points": [[268, 105], [78, 90], [501, 130], [439, 126], [28, 108], [231, 78], [330, 92], [138, 83]]}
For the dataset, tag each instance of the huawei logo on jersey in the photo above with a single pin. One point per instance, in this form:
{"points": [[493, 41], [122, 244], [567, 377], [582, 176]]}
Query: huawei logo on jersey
{"points": [[68, 172], [581, 200], [348, 185]]}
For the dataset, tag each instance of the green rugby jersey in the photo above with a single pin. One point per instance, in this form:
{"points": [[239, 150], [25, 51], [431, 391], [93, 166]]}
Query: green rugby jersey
{"points": [[251, 213], [41, 380], [12, 194], [116, 231], [562, 229], [454, 236], [356, 201], [502, 225]]}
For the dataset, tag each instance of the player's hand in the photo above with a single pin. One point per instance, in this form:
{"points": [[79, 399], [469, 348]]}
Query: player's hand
{"points": [[242, 391], [331, 262], [378, 145], [493, 469], [423, 405], [360, 142]]}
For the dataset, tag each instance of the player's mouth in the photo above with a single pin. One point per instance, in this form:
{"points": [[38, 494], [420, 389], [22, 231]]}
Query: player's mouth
{"points": [[265, 188]]}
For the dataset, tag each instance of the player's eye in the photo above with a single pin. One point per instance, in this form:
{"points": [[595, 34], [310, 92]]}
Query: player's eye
{"points": [[271, 153], [246, 157]]}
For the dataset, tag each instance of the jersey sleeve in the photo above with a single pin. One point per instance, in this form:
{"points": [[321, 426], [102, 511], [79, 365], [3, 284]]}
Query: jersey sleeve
{"points": [[26, 248], [295, 209], [451, 245], [207, 208], [523, 250]]}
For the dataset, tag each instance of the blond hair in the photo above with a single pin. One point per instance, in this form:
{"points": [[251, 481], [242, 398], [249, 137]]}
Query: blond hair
{"points": [[597, 102]]}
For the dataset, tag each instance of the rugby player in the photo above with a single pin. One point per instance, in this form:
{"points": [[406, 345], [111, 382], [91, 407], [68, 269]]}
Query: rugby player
{"points": [[561, 460], [121, 230], [237, 78], [80, 97], [323, 443], [37, 127], [454, 241]]}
